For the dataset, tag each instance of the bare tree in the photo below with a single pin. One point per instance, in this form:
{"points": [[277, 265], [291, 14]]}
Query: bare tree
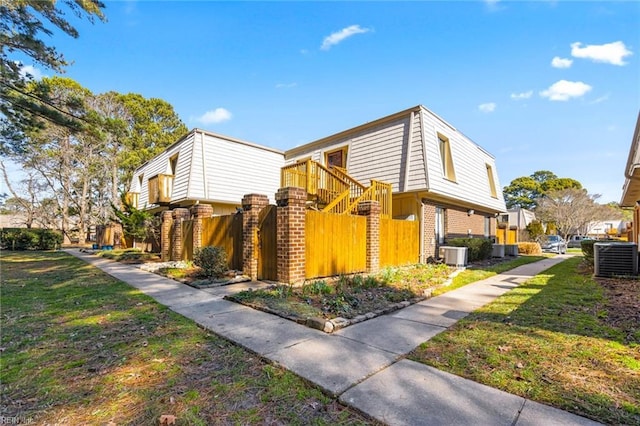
{"points": [[571, 210], [26, 197]]}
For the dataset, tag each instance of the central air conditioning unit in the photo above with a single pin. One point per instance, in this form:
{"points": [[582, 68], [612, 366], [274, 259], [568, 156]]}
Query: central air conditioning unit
{"points": [[511, 249], [615, 259], [454, 256], [497, 250]]}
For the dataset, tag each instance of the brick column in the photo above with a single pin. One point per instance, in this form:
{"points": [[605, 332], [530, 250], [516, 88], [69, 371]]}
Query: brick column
{"points": [[176, 242], [252, 205], [371, 209], [199, 212], [291, 214], [165, 235]]}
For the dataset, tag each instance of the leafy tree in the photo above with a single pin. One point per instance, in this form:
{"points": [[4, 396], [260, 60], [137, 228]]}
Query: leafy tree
{"points": [[535, 230], [22, 24], [137, 224], [153, 125], [522, 192], [526, 190]]}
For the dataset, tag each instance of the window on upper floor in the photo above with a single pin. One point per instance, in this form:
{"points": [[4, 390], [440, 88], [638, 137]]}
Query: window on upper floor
{"points": [[173, 164], [492, 182], [337, 158], [446, 158]]}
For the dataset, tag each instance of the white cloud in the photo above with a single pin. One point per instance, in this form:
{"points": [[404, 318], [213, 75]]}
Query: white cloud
{"points": [[558, 62], [610, 53], [493, 5], [600, 99], [523, 95], [564, 90], [217, 115], [488, 107], [31, 70], [341, 35], [285, 85]]}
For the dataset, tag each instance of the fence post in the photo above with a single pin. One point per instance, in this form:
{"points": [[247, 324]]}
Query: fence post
{"points": [[371, 209], [179, 215], [252, 204], [117, 235], [199, 212], [165, 235], [291, 216]]}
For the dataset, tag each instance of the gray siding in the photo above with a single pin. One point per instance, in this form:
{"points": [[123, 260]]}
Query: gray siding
{"points": [[469, 162], [411, 162], [213, 168]]}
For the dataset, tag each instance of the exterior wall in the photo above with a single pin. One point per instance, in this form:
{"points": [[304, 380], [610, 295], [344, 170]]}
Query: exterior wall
{"points": [[461, 224], [233, 169], [469, 161], [210, 168], [403, 149]]}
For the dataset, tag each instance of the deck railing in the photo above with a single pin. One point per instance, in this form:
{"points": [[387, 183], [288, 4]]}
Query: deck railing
{"points": [[316, 179], [335, 188]]}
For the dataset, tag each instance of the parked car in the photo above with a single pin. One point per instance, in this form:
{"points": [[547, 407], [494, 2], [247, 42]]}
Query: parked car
{"points": [[576, 240], [554, 244]]}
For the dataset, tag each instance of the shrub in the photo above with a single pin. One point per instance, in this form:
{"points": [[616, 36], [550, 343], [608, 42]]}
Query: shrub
{"points": [[587, 249], [478, 248], [212, 260], [529, 248], [29, 239]]}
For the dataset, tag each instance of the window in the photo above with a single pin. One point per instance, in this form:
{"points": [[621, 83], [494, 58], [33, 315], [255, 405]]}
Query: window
{"points": [[140, 177], [336, 158], [492, 183], [173, 163], [487, 226], [447, 159], [440, 225]]}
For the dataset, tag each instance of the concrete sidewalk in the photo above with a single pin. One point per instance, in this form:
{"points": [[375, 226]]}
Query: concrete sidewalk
{"points": [[363, 365]]}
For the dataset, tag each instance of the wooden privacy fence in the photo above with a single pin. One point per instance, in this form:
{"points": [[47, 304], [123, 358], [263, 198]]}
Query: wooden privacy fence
{"points": [[225, 232], [399, 242], [290, 243], [507, 235], [335, 244]]}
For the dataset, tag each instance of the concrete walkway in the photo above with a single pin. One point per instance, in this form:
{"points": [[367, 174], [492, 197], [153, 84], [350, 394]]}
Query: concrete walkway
{"points": [[363, 365]]}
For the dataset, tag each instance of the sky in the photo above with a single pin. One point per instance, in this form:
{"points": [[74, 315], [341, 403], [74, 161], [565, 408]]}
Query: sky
{"points": [[541, 85]]}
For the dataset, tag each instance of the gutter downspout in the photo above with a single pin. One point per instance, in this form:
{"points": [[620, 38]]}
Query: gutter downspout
{"points": [[422, 259]]}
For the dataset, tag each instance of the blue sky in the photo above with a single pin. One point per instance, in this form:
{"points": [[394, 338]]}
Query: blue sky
{"points": [[545, 85]]}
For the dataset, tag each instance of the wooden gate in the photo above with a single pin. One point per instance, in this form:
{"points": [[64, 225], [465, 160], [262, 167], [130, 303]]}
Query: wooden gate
{"points": [[267, 244], [507, 236], [399, 242], [335, 244], [226, 232]]}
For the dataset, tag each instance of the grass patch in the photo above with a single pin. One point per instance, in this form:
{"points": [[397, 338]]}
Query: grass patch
{"points": [[481, 272], [552, 340], [79, 347]]}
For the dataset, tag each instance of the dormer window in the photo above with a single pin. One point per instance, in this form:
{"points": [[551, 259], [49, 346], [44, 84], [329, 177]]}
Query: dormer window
{"points": [[446, 158]]}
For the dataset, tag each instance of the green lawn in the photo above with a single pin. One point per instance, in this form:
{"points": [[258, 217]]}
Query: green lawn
{"points": [[551, 340], [79, 347]]}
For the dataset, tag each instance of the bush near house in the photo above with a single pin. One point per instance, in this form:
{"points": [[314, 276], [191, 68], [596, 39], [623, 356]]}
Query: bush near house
{"points": [[212, 260], [587, 249], [479, 248], [529, 248], [29, 239]]}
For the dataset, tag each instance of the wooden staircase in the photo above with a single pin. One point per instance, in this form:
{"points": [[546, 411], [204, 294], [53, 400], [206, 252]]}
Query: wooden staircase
{"points": [[333, 190]]}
